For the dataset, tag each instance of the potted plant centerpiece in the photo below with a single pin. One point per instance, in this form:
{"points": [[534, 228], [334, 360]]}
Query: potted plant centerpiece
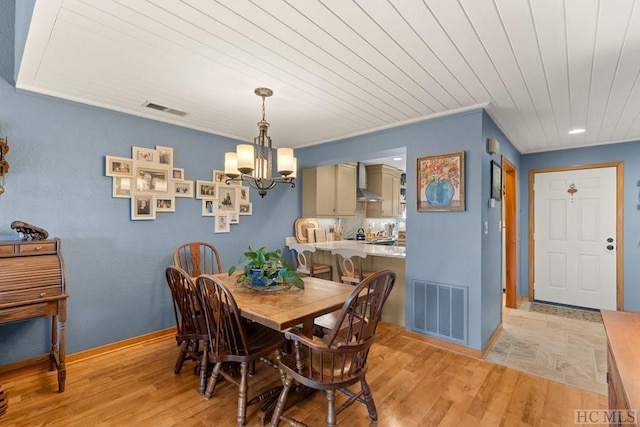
{"points": [[266, 270]]}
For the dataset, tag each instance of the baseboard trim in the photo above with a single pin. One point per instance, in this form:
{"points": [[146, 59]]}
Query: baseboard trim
{"points": [[445, 345], [42, 363], [494, 337]]}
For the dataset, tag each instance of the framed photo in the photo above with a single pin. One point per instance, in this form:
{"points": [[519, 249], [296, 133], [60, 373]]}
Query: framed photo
{"points": [[234, 217], [222, 224], [177, 174], [243, 194], [440, 182], [150, 179], [496, 181], [118, 166], [165, 155], [206, 190], [121, 187], [165, 203], [245, 209], [144, 155], [208, 207], [219, 177], [182, 188], [227, 199], [143, 206]]}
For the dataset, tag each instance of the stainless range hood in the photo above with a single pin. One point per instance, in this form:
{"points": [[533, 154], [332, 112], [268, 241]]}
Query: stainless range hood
{"points": [[364, 195]]}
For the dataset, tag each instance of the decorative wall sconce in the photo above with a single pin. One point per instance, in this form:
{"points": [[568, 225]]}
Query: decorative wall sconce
{"points": [[4, 164]]}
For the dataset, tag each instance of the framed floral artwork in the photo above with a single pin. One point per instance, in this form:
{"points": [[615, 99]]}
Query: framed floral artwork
{"points": [[440, 182]]}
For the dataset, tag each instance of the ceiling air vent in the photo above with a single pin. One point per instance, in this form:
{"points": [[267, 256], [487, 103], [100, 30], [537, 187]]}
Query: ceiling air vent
{"points": [[163, 108]]}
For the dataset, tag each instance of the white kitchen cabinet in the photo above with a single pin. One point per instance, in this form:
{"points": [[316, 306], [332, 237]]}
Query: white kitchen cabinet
{"points": [[329, 191], [385, 181]]}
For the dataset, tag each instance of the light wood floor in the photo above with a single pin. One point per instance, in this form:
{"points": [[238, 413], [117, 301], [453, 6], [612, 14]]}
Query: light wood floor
{"points": [[413, 383]]}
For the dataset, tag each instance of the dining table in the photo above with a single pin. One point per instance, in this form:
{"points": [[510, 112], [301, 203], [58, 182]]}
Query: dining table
{"points": [[282, 310]]}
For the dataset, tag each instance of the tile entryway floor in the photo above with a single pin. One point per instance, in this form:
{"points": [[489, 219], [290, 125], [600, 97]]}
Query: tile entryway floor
{"points": [[569, 351]]}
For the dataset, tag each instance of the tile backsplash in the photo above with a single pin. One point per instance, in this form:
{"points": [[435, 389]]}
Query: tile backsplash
{"points": [[351, 225]]}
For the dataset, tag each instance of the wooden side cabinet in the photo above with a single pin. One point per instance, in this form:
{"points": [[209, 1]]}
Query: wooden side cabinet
{"points": [[32, 284], [385, 181], [623, 370]]}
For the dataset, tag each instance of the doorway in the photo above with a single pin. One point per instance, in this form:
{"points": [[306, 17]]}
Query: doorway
{"points": [[510, 234], [575, 235]]}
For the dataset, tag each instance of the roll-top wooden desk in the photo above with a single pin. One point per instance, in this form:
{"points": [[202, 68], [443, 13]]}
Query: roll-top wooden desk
{"points": [[32, 284]]}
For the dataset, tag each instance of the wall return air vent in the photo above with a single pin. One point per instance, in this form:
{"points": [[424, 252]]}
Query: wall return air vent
{"points": [[164, 109]]}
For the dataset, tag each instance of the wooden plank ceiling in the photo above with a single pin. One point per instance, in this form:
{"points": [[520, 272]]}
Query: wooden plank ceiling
{"points": [[347, 67]]}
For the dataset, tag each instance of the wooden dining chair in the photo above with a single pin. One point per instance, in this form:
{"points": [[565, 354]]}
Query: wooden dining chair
{"points": [[234, 341], [349, 262], [340, 359], [197, 258], [302, 254], [191, 328]]}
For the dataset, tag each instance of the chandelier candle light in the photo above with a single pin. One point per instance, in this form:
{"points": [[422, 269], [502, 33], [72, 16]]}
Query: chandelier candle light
{"points": [[252, 163]]}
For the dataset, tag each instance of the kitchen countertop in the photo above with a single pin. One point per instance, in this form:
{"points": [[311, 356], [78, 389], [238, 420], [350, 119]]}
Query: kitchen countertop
{"points": [[369, 249]]}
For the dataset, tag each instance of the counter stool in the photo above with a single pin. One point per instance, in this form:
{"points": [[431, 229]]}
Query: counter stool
{"points": [[349, 271], [303, 259]]}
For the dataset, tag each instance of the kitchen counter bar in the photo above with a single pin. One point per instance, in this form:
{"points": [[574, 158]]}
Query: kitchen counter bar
{"points": [[379, 257], [370, 249]]}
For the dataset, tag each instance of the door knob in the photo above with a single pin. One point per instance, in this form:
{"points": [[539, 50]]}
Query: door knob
{"points": [[610, 247]]}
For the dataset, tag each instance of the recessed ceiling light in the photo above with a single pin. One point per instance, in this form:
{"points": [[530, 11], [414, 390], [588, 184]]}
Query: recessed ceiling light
{"points": [[578, 130], [397, 158]]}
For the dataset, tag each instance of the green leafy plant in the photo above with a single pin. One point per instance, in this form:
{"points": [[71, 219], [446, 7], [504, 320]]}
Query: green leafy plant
{"points": [[266, 268]]}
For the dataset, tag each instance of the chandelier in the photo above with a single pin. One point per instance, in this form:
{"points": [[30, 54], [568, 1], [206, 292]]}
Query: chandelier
{"points": [[252, 163]]}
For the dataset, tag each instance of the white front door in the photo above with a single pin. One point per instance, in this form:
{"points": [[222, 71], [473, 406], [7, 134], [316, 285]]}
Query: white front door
{"points": [[574, 237]]}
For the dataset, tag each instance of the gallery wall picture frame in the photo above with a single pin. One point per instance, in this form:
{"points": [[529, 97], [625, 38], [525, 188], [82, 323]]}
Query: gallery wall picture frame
{"points": [[222, 224], [496, 180], [182, 188], [440, 182], [206, 190], [118, 166], [177, 174], [244, 194], [165, 155], [227, 199], [144, 155], [208, 207], [121, 187], [245, 209], [151, 179], [165, 203], [234, 217], [143, 206], [218, 177]]}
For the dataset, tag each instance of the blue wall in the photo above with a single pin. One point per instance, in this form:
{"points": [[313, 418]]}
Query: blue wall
{"points": [[442, 247], [629, 154], [491, 293], [115, 266]]}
